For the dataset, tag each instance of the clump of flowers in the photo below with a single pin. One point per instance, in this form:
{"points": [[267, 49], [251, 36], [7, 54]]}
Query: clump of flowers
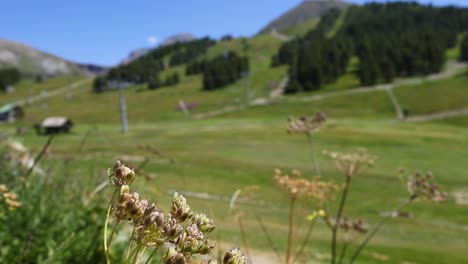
{"points": [[8, 199], [182, 231], [297, 187], [300, 189], [235, 256], [121, 175], [421, 187], [306, 124], [350, 163], [357, 225]]}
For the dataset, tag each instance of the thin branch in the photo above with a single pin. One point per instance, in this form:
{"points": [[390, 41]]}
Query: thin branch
{"points": [[244, 239], [338, 218], [151, 256], [112, 233], [39, 156], [109, 207], [343, 251], [267, 234], [304, 242], [376, 229], [129, 243], [314, 153], [291, 230]]}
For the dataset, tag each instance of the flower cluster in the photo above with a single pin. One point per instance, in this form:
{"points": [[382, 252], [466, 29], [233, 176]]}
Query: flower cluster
{"points": [[235, 256], [356, 225], [350, 163], [121, 175], [10, 198], [421, 186], [180, 209], [306, 124], [129, 206], [184, 231], [299, 188]]}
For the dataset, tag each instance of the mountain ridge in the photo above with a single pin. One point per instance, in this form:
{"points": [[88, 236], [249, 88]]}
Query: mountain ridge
{"points": [[32, 62], [306, 10]]}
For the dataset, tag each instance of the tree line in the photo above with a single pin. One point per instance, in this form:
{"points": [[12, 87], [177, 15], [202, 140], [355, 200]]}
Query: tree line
{"points": [[390, 40], [464, 49], [221, 70], [148, 68], [9, 76]]}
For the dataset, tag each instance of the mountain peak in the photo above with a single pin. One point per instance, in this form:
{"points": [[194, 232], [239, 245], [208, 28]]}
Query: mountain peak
{"points": [[306, 10]]}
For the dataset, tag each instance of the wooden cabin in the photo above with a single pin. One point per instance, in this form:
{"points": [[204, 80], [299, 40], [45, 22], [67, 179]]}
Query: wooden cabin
{"points": [[53, 125]]}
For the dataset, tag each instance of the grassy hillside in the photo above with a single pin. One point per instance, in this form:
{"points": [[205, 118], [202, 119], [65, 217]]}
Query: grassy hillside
{"points": [[27, 88], [430, 97], [302, 28]]}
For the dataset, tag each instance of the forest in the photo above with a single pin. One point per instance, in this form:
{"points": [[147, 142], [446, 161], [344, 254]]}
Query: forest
{"points": [[8, 76], [389, 40]]}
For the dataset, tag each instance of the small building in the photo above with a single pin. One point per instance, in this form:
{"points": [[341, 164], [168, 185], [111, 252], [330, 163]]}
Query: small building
{"points": [[53, 125], [11, 112]]}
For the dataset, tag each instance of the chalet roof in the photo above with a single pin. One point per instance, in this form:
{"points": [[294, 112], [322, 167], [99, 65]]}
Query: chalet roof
{"points": [[56, 121]]}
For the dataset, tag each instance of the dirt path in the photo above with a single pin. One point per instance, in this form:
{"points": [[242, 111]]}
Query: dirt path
{"points": [[396, 104], [58, 91], [451, 69], [438, 115]]}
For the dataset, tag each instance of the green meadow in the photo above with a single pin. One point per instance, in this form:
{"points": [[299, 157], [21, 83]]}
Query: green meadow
{"points": [[218, 155]]}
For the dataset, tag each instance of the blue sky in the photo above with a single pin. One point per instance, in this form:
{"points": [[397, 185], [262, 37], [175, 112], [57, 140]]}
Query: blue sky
{"points": [[104, 32]]}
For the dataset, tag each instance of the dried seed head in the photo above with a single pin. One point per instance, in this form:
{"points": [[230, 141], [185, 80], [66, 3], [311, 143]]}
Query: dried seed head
{"points": [[10, 198], [173, 257], [180, 209], [235, 256], [300, 188], [350, 164], [306, 124], [121, 175], [203, 223], [171, 227], [193, 241], [129, 206], [357, 225], [421, 187]]}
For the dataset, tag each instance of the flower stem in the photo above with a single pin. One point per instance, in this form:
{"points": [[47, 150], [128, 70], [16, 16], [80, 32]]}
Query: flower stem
{"points": [[304, 243], [151, 256], [129, 244], [139, 255], [244, 239], [134, 252], [106, 248], [343, 251], [376, 229], [268, 236], [314, 153], [291, 230], [112, 233], [338, 218]]}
